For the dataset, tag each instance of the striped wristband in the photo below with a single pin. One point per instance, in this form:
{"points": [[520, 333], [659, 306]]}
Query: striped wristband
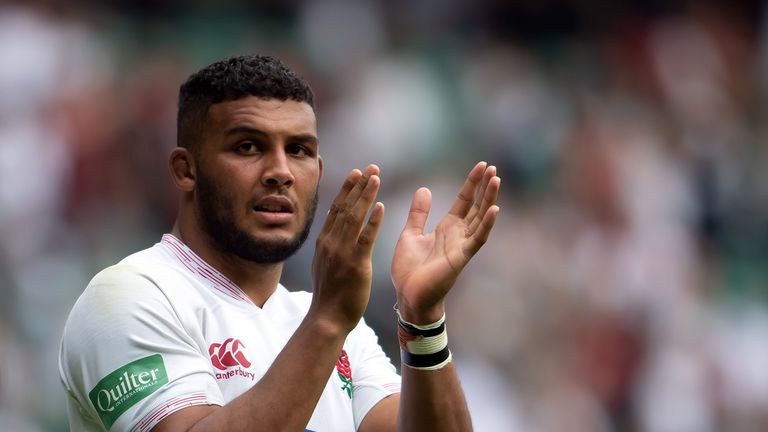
{"points": [[423, 347]]}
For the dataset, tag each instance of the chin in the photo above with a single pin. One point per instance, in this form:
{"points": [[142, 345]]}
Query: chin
{"points": [[273, 238]]}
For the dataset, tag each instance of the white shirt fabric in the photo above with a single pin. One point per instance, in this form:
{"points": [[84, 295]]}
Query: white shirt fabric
{"points": [[163, 330]]}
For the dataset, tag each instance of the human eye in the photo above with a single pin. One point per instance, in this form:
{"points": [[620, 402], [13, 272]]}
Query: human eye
{"points": [[299, 150], [246, 147]]}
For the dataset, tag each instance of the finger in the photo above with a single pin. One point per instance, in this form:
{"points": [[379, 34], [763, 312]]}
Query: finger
{"points": [[352, 179], [349, 219], [489, 173], [419, 211], [371, 230], [343, 201], [357, 189], [489, 198], [355, 216], [466, 196], [478, 239]]}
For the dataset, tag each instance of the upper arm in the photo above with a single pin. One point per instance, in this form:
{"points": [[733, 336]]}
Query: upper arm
{"points": [[383, 416], [184, 419]]}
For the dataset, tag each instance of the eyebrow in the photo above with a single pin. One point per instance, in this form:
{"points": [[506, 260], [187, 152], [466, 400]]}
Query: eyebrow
{"points": [[305, 138], [244, 130]]}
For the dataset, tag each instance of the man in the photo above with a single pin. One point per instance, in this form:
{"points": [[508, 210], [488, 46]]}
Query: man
{"points": [[196, 333]]}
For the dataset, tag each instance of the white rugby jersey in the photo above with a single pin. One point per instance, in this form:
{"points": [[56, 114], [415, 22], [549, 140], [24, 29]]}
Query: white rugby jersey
{"points": [[163, 330]]}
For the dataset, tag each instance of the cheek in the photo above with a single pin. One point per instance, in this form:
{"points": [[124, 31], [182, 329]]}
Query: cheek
{"points": [[311, 186], [308, 193], [236, 182], [220, 194], [310, 172]]}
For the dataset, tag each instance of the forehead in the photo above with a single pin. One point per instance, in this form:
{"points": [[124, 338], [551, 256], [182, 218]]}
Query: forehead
{"points": [[272, 116]]}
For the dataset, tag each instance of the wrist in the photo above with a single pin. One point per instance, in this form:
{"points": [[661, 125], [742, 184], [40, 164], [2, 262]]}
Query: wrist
{"points": [[326, 328], [420, 315]]}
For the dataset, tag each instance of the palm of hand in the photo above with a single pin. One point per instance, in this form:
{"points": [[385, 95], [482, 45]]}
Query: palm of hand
{"points": [[434, 259], [426, 265]]}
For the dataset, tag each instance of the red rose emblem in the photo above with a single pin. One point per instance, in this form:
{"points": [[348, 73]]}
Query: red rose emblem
{"points": [[345, 372]]}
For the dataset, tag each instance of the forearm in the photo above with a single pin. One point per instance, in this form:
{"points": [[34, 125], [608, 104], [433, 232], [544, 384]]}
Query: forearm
{"points": [[431, 396], [286, 396], [432, 400]]}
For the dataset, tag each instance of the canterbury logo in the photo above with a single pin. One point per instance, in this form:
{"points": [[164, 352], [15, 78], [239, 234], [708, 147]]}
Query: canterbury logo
{"points": [[228, 354]]}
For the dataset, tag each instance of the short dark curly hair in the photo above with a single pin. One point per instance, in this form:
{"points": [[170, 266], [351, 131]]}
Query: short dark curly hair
{"points": [[231, 79]]}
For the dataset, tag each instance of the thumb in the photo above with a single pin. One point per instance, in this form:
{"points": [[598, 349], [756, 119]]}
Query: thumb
{"points": [[419, 211]]}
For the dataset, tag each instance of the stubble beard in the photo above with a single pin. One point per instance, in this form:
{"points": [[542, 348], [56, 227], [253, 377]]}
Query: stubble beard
{"points": [[216, 213]]}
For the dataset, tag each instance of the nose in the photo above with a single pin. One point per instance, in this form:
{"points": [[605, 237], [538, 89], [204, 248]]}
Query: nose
{"points": [[277, 172]]}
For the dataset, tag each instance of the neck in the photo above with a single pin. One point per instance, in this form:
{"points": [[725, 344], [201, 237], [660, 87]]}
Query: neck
{"points": [[258, 281]]}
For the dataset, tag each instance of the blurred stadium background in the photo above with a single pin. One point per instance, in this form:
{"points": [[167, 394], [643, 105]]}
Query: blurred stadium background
{"points": [[625, 286]]}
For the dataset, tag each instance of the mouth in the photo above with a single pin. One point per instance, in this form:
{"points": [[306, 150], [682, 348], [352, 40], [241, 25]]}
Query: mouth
{"points": [[274, 204], [274, 210]]}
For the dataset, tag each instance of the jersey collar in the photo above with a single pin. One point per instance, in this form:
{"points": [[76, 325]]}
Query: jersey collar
{"points": [[197, 266]]}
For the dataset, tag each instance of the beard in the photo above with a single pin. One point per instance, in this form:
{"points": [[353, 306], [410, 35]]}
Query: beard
{"points": [[215, 210]]}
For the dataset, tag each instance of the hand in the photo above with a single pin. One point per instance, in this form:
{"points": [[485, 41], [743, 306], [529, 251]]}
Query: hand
{"points": [[341, 268], [425, 266]]}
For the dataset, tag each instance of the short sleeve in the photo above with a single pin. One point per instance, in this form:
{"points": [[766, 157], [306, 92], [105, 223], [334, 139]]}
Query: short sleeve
{"points": [[374, 376], [126, 360]]}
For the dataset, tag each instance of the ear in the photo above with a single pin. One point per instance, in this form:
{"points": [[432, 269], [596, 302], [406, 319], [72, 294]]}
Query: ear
{"points": [[320, 162], [182, 166]]}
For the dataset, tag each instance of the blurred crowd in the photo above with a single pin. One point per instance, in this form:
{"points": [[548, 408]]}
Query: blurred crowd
{"points": [[625, 286]]}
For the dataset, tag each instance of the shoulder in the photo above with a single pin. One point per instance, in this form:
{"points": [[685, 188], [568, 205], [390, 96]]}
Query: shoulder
{"points": [[155, 263], [114, 294], [150, 283], [118, 305], [114, 284], [143, 286]]}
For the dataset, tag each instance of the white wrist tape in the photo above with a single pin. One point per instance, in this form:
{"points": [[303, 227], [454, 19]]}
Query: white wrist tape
{"points": [[423, 347]]}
